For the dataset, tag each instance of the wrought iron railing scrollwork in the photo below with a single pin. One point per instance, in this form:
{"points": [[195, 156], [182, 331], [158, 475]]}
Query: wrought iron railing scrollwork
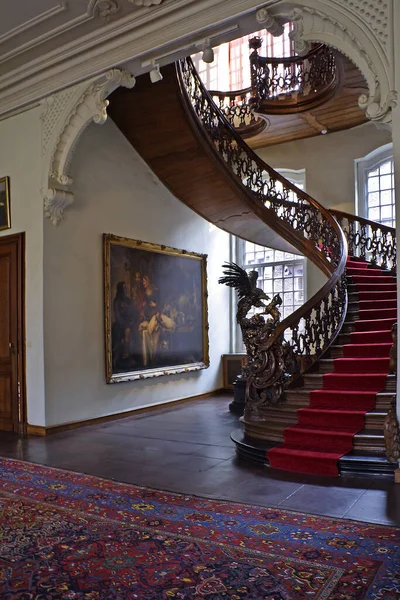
{"points": [[237, 107], [311, 76], [369, 240], [315, 73], [292, 213]]}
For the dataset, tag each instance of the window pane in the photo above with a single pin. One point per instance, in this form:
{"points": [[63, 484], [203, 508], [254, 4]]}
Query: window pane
{"points": [[298, 283], [298, 270], [373, 184], [268, 272], [386, 168], [288, 299], [374, 214], [373, 199], [299, 297], [386, 182], [380, 201], [288, 271], [268, 286], [386, 197], [288, 285], [386, 212]]}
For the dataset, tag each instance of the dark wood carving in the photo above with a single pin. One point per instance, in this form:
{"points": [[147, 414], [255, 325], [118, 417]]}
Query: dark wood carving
{"points": [[270, 360]]}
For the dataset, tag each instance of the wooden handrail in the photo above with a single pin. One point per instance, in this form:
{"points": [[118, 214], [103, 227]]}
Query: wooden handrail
{"points": [[289, 60], [237, 107], [306, 224], [368, 239], [363, 221]]}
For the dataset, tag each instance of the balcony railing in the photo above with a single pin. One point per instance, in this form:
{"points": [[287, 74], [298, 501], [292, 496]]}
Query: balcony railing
{"points": [[294, 83], [278, 86], [237, 108]]}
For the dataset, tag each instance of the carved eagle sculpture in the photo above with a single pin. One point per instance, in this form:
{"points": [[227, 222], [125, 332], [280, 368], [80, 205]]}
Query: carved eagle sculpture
{"points": [[248, 293]]}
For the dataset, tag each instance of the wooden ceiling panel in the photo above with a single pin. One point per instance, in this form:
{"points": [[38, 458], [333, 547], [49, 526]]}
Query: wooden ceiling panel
{"points": [[340, 112]]}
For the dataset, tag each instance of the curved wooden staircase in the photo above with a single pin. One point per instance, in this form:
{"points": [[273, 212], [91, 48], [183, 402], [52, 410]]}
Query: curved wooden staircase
{"points": [[179, 131]]}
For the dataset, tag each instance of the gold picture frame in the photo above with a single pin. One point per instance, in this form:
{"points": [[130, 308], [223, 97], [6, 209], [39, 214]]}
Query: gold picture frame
{"points": [[155, 308], [5, 213]]}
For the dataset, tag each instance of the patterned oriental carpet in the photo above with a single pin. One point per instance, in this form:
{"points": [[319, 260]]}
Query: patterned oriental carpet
{"points": [[71, 536]]}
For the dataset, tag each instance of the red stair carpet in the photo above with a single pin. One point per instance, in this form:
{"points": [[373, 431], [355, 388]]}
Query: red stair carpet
{"points": [[325, 429]]}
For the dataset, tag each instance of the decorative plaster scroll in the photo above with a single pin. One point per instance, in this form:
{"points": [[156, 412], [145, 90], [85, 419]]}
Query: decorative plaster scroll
{"points": [[269, 22], [379, 112], [311, 25], [66, 116], [105, 8], [55, 202], [145, 2]]}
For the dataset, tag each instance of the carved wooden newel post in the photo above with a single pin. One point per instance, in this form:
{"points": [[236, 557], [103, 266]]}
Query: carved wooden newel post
{"points": [[270, 361]]}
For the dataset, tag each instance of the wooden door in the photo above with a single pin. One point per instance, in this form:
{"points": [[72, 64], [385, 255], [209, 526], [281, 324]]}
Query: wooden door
{"points": [[12, 364]]}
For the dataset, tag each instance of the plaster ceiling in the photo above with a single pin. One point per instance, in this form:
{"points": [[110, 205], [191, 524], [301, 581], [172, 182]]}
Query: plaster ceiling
{"points": [[46, 45]]}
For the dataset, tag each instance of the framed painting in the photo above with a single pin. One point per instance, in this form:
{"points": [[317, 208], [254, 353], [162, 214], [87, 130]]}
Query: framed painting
{"points": [[156, 320], [5, 218]]}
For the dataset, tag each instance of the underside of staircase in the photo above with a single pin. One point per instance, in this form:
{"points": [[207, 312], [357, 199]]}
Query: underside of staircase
{"points": [[332, 422]]}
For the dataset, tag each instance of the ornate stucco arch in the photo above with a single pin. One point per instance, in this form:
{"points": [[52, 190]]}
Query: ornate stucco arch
{"points": [[65, 117], [360, 29]]}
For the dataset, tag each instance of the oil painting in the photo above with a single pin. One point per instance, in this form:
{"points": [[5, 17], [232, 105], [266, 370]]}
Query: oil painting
{"points": [[155, 310], [5, 219]]}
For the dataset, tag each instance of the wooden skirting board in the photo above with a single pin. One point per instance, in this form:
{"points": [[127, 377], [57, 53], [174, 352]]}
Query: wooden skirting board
{"points": [[44, 431]]}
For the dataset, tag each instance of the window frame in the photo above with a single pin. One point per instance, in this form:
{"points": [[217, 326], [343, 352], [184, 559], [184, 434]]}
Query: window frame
{"points": [[363, 166]]}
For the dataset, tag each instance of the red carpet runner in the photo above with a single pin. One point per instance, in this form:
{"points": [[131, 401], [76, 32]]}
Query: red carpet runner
{"points": [[336, 412]]}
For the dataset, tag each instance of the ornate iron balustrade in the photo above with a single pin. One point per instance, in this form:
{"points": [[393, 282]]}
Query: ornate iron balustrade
{"points": [[369, 240], [312, 75], [237, 108], [289, 211]]}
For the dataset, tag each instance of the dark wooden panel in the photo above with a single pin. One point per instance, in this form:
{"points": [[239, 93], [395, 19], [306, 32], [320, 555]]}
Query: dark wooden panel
{"points": [[12, 347], [5, 395], [5, 316]]}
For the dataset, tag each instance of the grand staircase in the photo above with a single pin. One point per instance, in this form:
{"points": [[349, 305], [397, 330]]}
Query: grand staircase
{"points": [[336, 404], [346, 407]]}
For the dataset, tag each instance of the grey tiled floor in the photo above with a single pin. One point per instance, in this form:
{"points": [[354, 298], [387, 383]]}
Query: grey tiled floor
{"points": [[188, 449]]}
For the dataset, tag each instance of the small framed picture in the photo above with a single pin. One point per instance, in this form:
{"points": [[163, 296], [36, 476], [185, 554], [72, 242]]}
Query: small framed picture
{"points": [[5, 218]]}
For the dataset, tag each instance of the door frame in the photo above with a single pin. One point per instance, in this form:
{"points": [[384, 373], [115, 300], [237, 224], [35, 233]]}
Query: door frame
{"points": [[19, 394]]}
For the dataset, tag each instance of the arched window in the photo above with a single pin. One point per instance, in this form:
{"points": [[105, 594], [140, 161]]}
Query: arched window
{"points": [[375, 186]]}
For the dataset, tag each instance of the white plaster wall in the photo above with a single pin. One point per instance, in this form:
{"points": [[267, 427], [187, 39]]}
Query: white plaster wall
{"points": [[115, 192], [329, 162], [20, 159]]}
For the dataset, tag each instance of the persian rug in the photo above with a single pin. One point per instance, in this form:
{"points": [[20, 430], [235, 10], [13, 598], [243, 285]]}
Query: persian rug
{"points": [[71, 536], [325, 429]]}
